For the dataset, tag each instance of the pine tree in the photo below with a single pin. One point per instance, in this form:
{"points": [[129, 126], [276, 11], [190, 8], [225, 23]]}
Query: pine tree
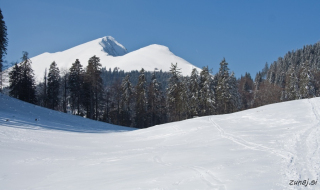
{"points": [[141, 101], [3, 44], [76, 80], [53, 86]]}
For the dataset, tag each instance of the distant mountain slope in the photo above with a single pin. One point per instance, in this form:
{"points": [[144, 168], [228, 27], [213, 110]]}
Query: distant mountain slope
{"points": [[112, 54], [261, 148]]}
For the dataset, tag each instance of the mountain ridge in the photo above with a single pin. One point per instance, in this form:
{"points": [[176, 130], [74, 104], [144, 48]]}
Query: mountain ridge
{"points": [[112, 54]]}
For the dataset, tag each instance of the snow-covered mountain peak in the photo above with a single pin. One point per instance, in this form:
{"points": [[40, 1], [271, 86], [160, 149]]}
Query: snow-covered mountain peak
{"points": [[112, 47], [112, 54]]}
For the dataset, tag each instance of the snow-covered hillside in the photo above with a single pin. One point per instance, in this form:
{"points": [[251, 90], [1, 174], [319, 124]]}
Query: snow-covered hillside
{"points": [[112, 54], [262, 148]]}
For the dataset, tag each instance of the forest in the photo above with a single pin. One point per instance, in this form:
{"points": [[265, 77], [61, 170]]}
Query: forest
{"points": [[142, 98]]}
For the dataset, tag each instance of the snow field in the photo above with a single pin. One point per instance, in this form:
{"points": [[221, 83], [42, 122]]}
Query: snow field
{"points": [[261, 148]]}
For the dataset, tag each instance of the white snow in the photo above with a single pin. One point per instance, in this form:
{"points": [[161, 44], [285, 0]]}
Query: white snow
{"points": [[112, 54], [262, 148]]}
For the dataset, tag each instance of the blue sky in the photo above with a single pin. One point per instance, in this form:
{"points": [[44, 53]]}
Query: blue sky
{"points": [[247, 33]]}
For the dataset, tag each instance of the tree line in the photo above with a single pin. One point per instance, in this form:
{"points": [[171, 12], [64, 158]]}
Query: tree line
{"points": [[292, 77], [131, 99], [143, 98]]}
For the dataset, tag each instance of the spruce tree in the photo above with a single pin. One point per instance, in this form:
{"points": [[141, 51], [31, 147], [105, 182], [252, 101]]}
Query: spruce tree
{"points": [[64, 89], [75, 83], [3, 42], [93, 87], [141, 101], [258, 80], [53, 86], [27, 92], [175, 99], [292, 85], [126, 101], [222, 88], [15, 81], [194, 93], [307, 89], [206, 93], [235, 100], [154, 101]]}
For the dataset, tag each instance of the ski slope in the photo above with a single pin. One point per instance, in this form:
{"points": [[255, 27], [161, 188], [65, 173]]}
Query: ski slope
{"points": [[262, 148]]}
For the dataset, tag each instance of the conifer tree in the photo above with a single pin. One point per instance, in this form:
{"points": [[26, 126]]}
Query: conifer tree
{"points": [[42, 91], [258, 80], [3, 43], [194, 93], [141, 101], [154, 101], [306, 82], [64, 89], [222, 88], [53, 86], [235, 102], [292, 85], [76, 80], [115, 103], [126, 101], [207, 96], [94, 87], [245, 86], [27, 92], [15, 81], [45, 88], [175, 94]]}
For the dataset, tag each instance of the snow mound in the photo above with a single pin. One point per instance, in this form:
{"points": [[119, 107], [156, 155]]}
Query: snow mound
{"points": [[262, 148]]}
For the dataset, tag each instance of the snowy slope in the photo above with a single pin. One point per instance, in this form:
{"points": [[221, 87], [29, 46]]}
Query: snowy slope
{"points": [[112, 54], [262, 148]]}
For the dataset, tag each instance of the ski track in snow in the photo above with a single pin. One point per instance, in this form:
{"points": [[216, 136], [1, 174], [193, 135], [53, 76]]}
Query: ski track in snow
{"points": [[301, 161], [247, 144], [305, 163]]}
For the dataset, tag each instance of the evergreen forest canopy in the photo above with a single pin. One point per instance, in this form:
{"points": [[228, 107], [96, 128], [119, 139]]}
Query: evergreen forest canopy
{"points": [[143, 99]]}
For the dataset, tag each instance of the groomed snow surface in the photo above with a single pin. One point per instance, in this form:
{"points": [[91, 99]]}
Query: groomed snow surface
{"points": [[262, 148]]}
